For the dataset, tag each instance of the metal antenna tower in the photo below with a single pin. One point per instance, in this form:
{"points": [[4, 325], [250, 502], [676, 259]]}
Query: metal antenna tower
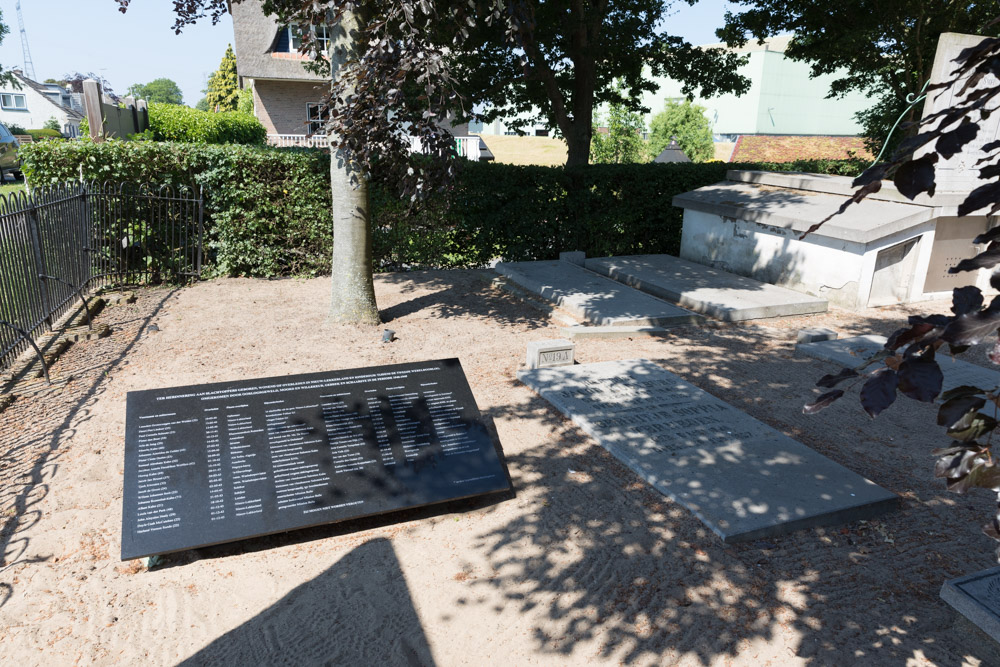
{"points": [[29, 67]]}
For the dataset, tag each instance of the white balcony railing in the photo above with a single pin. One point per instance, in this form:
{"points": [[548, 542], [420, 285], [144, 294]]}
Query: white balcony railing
{"points": [[298, 141], [467, 147]]}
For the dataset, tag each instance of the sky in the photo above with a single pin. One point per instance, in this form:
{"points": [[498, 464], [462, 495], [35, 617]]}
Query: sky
{"points": [[66, 36]]}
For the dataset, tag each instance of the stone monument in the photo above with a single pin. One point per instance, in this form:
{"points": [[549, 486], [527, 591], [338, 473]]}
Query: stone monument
{"points": [[885, 250]]}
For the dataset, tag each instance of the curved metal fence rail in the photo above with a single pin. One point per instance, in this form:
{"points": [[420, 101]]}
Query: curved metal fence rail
{"points": [[71, 238]]}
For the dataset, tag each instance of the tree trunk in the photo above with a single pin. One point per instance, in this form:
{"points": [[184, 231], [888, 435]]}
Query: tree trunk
{"points": [[353, 289], [577, 144]]}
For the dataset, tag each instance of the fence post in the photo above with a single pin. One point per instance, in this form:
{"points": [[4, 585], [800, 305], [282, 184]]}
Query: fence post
{"points": [[92, 103], [36, 247], [201, 227]]}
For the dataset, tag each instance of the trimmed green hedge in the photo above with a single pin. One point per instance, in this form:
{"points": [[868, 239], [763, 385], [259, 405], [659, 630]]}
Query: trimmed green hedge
{"points": [[268, 209], [173, 122]]}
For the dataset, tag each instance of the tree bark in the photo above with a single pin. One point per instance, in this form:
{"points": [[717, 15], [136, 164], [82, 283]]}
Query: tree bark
{"points": [[353, 288]]}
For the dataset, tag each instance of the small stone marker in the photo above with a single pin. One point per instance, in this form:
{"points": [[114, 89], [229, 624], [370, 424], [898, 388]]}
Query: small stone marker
{"points": [[577, 257], [546, 353], [977, 598], [742, 478], [815, 335], [852, 352]]}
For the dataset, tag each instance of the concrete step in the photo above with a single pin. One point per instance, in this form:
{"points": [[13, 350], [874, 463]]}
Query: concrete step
{"points": [[713, 292], [594, 298]]}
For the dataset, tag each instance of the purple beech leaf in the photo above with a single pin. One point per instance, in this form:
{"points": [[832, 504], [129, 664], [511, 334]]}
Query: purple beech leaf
{"points": [[964, 390], [972, 328], [981, 197], [971, 426], [954, 466], [906, 336], [830, 381], [951, 143], [822, 402], [921, 378], [966, 299], [916, 176], [952, 410], [879, 392]]}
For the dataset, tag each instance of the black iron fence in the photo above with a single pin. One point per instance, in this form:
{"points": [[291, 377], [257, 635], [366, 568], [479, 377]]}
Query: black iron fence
{"points": [[63, 241]]}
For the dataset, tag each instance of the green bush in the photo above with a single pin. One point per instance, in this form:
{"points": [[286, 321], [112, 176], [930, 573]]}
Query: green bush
{"points": [[267, 210], [170, 122], [44, 133]]}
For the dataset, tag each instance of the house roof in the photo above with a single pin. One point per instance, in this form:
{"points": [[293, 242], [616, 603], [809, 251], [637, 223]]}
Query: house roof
{"points": [[255, 36], [45, 92], [672, 153], [786, 148]]}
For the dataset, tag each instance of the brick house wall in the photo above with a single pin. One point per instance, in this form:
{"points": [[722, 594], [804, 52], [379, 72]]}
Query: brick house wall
{"points": [[281, 105]]}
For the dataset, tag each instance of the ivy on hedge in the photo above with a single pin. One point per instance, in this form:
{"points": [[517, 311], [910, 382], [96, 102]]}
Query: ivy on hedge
{"points": [[268, 209]]}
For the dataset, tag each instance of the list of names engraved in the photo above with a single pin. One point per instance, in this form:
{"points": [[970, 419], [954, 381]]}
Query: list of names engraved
{"points": [[214, 463]]}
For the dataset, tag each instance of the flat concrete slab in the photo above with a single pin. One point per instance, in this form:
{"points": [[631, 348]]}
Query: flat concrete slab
{"points": [[713, 292], [742, 478], [852, 352], [613, 332], [594, 298], [977, 597]]}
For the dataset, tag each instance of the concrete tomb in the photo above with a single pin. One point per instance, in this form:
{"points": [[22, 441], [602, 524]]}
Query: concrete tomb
{"points": [[594, 298], [852, 352], [885, 250], [214, 463], [706, 290], [740, 477], [977, 598]]}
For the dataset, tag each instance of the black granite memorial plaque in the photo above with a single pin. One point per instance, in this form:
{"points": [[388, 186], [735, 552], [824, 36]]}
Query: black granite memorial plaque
{"points": [[214, 463]]}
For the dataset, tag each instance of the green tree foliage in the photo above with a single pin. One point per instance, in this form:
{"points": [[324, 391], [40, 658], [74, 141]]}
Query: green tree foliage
{"points": [[52, 124], [202, 105], [623, 144], [170, 122], [245, 103], [686, 122], [565, 59], [160, 91], [223, 86], [886, 47]]}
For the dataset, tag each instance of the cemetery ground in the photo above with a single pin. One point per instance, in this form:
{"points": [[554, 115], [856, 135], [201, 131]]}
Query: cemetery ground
{"points": [[583, 563]]}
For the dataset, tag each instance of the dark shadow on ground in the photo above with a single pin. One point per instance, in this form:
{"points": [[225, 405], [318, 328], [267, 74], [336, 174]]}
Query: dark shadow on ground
{"points": [[606, 556], [40, 427], [353, 613], [458, 294]]}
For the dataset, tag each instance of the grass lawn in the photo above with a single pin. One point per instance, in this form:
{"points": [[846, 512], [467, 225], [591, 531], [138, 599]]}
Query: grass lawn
{"points": [[11, 188]]}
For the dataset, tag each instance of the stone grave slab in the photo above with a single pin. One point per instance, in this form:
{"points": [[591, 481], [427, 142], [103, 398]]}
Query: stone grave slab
{"points": [[977, 597], [594, 298], [543, 353], [703, 289], [219, 462], [742, 478], [852, 352]]}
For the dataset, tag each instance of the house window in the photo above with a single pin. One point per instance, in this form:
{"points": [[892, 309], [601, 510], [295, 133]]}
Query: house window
{"points": [[295, 37], [317, 115], [323, 36], [12, 101]]}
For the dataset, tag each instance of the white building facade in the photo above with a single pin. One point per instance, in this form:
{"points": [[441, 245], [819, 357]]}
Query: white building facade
{"points": [[33, 104]]}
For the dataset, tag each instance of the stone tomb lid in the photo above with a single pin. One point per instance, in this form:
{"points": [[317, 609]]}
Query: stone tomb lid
{"points": [[742, 478], [977, 597], [797, 210], [214, 463]]}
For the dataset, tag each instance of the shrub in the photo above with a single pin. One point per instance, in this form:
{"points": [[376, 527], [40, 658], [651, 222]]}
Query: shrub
{"points": [[170, 122], [267, 210], [44, 133]]}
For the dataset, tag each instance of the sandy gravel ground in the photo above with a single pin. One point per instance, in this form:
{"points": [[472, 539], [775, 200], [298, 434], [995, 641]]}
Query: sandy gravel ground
{"points": [[585, 564]]}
